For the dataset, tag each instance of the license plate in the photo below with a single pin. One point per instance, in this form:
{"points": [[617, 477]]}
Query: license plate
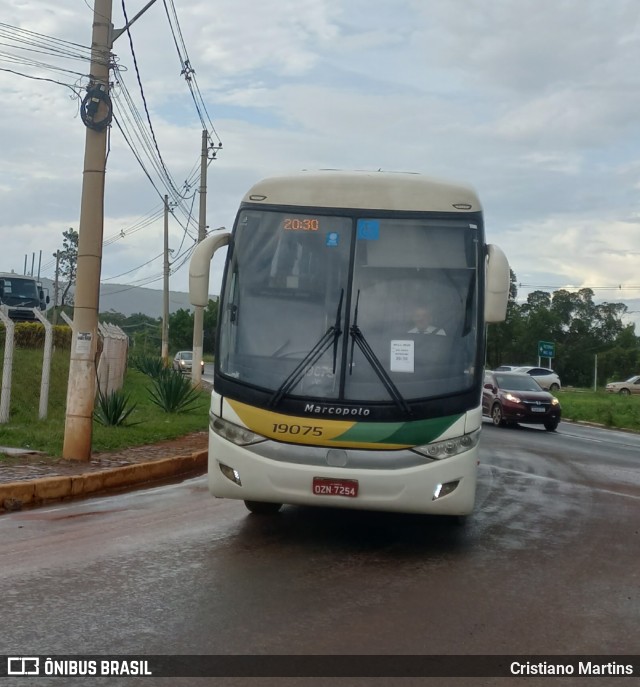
{"points": [[328, 486], [536, 409]]}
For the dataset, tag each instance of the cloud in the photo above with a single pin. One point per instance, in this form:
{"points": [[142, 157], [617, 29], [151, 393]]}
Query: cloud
{"points": [[534, 103]]}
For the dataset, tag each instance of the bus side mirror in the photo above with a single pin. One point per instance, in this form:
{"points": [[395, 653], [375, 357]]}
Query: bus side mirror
{"points": [[200, 266], [497, 285]]}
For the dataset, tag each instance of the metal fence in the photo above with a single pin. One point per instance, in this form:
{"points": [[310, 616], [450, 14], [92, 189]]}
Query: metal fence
{"points": [[111, 364]]}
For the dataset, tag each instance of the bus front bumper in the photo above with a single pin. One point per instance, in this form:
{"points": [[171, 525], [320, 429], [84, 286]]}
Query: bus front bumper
{"points": [[445, 487]]}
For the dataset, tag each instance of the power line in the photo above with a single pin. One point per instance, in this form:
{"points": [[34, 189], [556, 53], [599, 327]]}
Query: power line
{"points": [[44, 43], [134, 269], [144, 99], [618, 287], [189, 72]]}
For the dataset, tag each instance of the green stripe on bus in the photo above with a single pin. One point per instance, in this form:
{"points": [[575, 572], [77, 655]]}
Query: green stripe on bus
{"points": [[414, 433]]}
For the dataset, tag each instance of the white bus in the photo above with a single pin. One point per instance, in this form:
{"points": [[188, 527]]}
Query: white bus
{"points": [[350, 343]]}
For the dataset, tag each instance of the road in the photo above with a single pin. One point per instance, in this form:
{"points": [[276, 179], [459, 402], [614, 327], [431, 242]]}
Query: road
{"points": [[548, 564]]}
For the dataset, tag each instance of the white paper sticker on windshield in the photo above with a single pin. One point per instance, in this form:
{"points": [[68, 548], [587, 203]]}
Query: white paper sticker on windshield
{"points": [[401, 355]]}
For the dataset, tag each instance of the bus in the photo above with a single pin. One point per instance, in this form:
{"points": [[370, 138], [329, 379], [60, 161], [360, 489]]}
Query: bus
{"points": [[350, 344]]}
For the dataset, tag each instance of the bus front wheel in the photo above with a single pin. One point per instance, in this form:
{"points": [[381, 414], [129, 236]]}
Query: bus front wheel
{"points": [[263, 507]]}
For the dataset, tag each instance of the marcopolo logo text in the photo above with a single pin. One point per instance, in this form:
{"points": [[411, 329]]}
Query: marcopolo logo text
{"points": [[336, 410]]}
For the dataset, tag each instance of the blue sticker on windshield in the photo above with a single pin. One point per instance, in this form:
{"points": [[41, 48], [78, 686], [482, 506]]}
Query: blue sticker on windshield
{"points": [[369, 229], [332, 239]]}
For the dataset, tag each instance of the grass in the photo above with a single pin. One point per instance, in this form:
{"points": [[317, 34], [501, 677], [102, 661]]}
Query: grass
{"points": [[610, 410], [149, 423]]}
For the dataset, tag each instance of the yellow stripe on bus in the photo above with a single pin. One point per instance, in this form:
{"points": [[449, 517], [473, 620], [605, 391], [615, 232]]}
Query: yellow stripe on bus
{"points": [[312, 431]]}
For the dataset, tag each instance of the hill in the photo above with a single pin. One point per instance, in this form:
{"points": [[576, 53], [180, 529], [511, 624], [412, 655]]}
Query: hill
{"points": [[128, 300]]}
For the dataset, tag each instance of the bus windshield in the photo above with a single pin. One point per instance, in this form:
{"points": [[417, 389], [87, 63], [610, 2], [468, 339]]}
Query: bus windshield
{"points": [[345, 307]]}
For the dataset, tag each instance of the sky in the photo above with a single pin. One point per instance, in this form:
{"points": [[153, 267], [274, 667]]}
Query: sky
{"points": [[533, 102]]}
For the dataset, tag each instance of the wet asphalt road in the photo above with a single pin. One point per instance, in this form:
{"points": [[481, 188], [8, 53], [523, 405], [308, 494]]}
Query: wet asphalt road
{"points": [[548, 564]]}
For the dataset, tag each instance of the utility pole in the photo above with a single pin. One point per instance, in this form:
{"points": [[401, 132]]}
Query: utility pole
{"points": [[56, 255], [198, 310], [81, 388], [165, 290], [96, 115]]}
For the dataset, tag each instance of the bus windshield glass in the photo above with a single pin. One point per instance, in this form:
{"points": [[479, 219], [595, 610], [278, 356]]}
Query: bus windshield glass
{"points": [[345, 307]]}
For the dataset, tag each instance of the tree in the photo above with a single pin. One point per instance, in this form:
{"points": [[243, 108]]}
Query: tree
{"points": [[503, 337], [181, 330], [210, 326], [68, 263], [580, 328]]}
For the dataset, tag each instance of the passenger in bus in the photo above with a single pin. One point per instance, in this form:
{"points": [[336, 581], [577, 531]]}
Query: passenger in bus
{"points": [[422, 321]]}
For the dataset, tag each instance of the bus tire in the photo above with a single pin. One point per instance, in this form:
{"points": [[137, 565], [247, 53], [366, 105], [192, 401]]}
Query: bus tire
{"points": [[263, 507], [459, 520]]}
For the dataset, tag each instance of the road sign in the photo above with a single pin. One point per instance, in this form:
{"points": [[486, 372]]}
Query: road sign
{"points": [[546, 349]]}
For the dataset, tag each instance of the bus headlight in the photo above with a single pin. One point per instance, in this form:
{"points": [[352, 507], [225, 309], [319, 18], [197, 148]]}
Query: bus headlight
{"points": [[449, 447], [234, 433]]}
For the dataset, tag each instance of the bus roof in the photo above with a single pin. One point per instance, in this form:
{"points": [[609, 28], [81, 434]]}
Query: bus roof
{"points": [[367, 190]]}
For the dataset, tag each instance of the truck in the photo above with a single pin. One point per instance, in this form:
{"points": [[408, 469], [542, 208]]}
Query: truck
{"points": [[20, 294]]}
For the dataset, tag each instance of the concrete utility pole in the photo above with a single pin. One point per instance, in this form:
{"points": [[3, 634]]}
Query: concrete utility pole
{"points": [[165, 289], [56, 255], [198, 310], [81, 388]]}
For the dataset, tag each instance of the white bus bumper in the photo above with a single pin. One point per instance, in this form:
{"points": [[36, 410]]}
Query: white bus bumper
{"points": [[414, 489]]}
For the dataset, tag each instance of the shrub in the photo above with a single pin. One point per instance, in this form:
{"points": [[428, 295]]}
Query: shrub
{"points": [[172, 392], [150, 365], [31, 335], [113, 409]]}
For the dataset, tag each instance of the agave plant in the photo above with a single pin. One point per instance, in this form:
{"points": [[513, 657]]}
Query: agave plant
{"points": [[114, 408], [150, 365], [172, 392]]}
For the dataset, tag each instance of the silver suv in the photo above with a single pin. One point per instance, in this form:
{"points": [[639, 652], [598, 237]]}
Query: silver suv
{"points": [[545, 377]]}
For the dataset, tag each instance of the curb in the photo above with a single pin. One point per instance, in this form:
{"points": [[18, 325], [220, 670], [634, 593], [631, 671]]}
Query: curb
{"points": [[15, 495]]}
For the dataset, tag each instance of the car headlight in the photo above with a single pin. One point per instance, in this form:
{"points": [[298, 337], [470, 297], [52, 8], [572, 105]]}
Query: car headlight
{"points": [[555, 402], [240, 436], [512, 398], [449, 447]]}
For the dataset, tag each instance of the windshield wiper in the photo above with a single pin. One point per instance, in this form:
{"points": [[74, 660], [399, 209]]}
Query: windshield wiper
{"points": [[330, 337], [357, 337]]}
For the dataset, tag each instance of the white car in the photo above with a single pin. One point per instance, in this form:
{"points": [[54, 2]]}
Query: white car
{"points": [[183, 361], [545, 377]]}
